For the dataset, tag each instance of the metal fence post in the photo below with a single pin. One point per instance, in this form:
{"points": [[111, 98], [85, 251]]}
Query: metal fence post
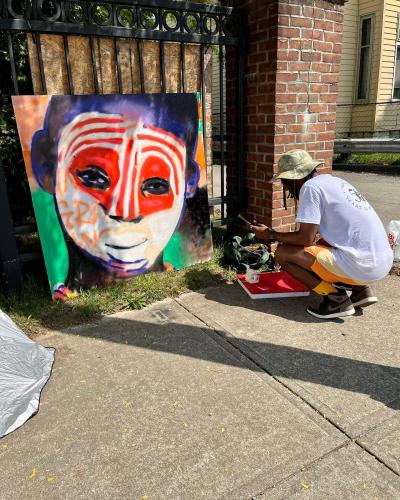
{"points": [[241, 74], [9, 258]]}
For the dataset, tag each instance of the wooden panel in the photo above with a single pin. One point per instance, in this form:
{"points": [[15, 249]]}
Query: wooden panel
{"points": [[172, 61], [106, 74], [192, 62], [130, 67], [106, 65], [54, 64], [81, 64]]}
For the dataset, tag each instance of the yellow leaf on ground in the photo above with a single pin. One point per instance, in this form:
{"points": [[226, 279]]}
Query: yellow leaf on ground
{"points": [[184, 424], [50, 479], [33, 473], [222, 429], [306, 486]]}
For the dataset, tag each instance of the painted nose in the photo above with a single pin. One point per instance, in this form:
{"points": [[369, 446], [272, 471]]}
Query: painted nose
{"points": [[120, 218]]}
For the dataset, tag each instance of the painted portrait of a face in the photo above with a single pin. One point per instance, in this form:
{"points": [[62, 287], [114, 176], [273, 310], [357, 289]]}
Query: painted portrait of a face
{"points": [[126, 175]]}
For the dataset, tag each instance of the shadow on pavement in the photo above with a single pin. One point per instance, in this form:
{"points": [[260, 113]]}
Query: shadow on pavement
{"points": [[380, 382]]}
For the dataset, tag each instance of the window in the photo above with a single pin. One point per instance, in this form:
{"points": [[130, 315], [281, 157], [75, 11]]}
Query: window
{"points": [[396, 79], [364, 68]]}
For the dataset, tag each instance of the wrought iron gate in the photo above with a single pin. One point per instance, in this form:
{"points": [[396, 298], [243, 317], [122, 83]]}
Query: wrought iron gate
{"points": [[24, 25]]}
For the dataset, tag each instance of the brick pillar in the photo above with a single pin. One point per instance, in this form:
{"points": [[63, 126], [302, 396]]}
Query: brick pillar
{"points": [[292, 74]]}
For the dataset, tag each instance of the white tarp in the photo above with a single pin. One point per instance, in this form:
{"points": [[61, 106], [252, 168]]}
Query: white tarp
{"points": [[25, 367]]}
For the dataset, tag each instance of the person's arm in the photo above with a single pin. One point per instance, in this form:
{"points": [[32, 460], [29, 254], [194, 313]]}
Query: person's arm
{"points": [[308, 217], [304, 236]]}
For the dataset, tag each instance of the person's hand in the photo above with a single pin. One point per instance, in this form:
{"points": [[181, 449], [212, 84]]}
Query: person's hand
{"points": [[262, 232]]}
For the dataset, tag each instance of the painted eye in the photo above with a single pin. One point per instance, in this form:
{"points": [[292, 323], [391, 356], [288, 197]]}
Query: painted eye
{"points": [[156, 186], [94, 177]]}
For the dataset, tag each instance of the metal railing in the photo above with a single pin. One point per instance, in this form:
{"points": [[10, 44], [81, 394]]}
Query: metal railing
{"points": [[24, 24], [359, 120]]}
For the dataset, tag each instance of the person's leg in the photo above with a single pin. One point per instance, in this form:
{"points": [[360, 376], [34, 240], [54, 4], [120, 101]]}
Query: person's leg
{"points": [[301, 264]]}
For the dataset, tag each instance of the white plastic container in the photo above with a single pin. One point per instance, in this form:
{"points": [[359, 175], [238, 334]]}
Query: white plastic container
{"points": [[394, 238], [252, 276]]}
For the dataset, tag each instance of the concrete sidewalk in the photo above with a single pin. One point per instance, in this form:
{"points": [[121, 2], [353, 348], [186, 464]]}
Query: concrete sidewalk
{"points": [[217, 396]]}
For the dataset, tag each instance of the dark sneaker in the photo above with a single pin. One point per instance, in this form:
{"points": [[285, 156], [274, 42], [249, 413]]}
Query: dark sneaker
{"points": [[363, 297], [335, 305]]}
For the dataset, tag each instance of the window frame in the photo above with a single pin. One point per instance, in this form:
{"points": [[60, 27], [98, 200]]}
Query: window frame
{"points": [[396, 48], [360, 47]]}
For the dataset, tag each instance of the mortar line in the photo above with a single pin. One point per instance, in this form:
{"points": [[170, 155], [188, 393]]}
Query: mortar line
{"points": [[305, 467], [224, 335]]}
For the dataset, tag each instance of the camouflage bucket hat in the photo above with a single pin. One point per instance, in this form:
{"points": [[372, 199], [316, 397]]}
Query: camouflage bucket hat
{"points": [[295, 164]]}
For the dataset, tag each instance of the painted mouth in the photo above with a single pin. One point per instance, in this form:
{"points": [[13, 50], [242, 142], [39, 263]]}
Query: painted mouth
{"points": [[120, 247]]}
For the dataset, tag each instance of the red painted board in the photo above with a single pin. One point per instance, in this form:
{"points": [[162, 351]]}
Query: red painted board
{"points": [[273, 285]]}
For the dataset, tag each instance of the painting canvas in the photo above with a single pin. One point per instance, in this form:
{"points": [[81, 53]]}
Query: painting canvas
{"points": [[118, 184]]}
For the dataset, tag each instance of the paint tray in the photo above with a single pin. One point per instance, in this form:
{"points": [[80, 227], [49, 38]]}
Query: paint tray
{"points": [[273, 286]]}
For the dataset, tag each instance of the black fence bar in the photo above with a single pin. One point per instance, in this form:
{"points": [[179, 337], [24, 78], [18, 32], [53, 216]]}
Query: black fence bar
{"points": [[222, 124], [240, 167], [9, 258], [223, 199], [25, 229], [214, 24], [12, 63], [68, 63], [40, 61], [162, 68], [43, 27], [141, 67], [94, 65], [117, 54]]}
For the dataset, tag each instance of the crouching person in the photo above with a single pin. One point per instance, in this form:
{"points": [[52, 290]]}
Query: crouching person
{"points": [[353, 251]]}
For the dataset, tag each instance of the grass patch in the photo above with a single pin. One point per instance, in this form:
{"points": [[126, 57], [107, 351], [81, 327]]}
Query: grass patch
{"points": [[368, 159], [34, 312]]}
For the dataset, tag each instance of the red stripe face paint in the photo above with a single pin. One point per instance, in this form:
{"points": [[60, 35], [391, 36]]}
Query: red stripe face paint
{"points": [[131, 177]]}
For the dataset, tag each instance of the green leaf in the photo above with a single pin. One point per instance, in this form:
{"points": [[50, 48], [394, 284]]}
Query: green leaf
{"points": [[248, 239], [237, 239], [231, 254], [265, 257]]}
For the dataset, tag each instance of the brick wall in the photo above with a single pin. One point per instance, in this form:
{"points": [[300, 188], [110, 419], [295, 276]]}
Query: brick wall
{"points": [[292, 74]]}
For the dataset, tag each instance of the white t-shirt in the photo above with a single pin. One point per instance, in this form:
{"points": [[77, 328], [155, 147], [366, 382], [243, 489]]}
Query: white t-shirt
{"points": [[349, 224]]}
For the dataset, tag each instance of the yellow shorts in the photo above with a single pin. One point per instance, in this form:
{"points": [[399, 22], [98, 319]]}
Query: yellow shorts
{"points": [[326, 268]]}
